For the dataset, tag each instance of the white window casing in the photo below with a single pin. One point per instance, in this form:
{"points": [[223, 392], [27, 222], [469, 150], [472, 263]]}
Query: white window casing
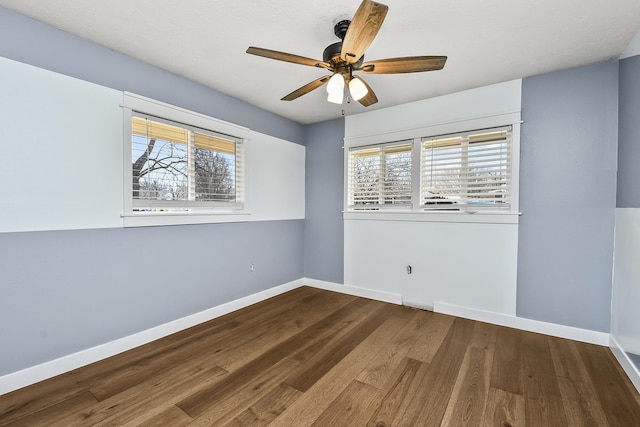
{"points": [[467, 171], [380, 176], [458, 172], [176, 166], [181, 167]]}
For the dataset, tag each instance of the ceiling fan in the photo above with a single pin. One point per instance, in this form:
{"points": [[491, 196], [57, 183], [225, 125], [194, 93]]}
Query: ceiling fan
{"points": [[346, 56]]}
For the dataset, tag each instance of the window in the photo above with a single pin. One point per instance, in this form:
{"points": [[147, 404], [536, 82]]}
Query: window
{"points": [[180, 167], [455, 172], [466, 170], [380, 176]]}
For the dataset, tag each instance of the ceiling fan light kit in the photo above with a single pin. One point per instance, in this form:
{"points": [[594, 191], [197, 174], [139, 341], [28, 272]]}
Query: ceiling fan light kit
{"points": [[357, 89], [345, 57], [336, 97], [335, 84], [335, 89]]}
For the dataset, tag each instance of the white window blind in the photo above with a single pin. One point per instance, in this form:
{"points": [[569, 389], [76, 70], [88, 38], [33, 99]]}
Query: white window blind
{"points": [[179, 166], [470, 170], [379, 177]]}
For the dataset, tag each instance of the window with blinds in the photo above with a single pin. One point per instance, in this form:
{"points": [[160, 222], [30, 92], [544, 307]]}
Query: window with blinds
{"points": [[178, 166], [379, 177], [470, 170]]}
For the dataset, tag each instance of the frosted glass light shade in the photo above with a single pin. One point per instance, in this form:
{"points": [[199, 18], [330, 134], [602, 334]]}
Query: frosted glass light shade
{"points": [[357, 88], [335, 84], [336, 97]]}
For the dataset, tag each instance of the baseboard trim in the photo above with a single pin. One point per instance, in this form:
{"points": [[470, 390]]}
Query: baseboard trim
{"points": [[562, 331], [627, 365], [354, 290], [34, 374]]}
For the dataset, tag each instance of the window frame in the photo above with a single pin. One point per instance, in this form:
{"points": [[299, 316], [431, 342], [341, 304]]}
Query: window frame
{"points": [[190, 144], [466, 159], [383, 159], [215, 212], [417, 212]]}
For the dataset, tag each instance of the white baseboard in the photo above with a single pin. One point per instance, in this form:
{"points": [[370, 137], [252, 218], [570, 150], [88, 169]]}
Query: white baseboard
{"points": [[34, 374], [577, 334], [354, 290], [627, 365]]}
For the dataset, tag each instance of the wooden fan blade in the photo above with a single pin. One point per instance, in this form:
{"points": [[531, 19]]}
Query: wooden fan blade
{"points": [[409, 64], [306, 88], [287, 57], [362, 30], [370, 98]]}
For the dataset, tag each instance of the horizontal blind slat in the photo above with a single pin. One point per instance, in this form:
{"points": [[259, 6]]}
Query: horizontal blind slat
{"points": [[469, 170], [184, 166], [380, 176]]}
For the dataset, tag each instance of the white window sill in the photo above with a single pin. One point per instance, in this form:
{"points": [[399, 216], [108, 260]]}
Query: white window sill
{"points": [[461, 216], [150, 219]]}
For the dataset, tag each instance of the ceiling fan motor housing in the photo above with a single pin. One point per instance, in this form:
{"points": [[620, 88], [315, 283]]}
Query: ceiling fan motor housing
{"points": [[331, 53]]}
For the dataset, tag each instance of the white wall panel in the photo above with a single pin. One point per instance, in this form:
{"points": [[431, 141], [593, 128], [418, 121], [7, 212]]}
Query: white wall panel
{"points": [[276, 178], [60, 151], [61, 165], [484, 101], [625, 314], [469, 265]]}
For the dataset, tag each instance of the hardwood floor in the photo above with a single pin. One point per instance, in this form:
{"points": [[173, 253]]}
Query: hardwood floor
{"points": [[313, 357]]}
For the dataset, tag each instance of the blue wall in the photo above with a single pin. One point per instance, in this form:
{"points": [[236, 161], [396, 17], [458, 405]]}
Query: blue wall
{"points": [[64, 291], [26, 40], [324, 231], [626, 293], [567, 196], [629, 138]]}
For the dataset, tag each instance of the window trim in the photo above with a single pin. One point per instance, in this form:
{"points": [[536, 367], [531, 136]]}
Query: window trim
{"points": [[466, 155], [191, 203], [383, 159], [133, 104], [510, 216]]}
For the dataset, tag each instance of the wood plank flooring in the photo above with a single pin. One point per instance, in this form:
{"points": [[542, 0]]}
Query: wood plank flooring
{"points": [[316, 358]]}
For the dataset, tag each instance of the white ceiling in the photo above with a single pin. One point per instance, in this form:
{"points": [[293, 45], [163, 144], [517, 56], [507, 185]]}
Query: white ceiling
{"points": [[486, 41]]}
